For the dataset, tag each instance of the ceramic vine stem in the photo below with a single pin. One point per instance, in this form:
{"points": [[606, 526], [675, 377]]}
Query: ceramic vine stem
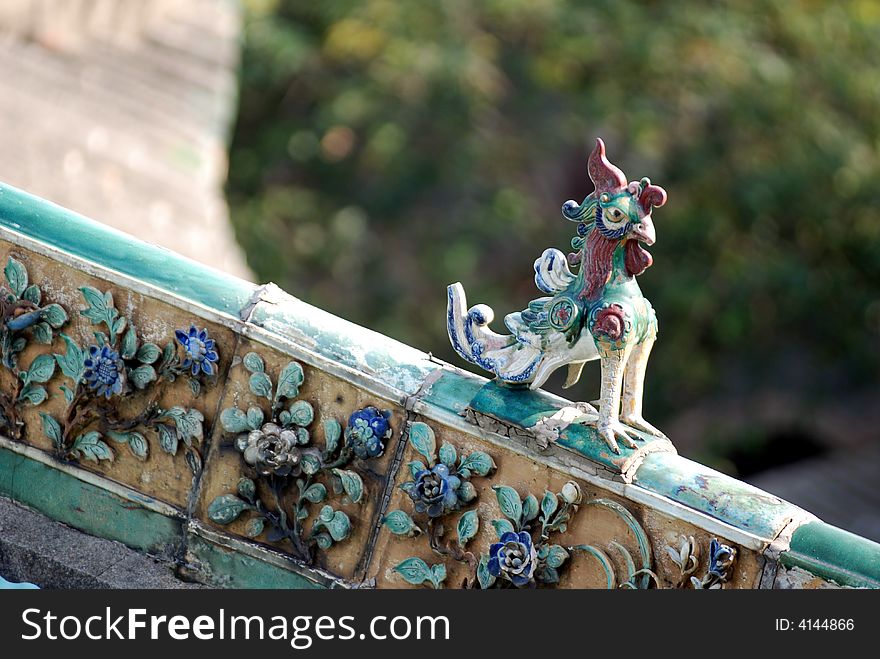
{"points": [[439, 487], [23, 317], [116, 366], [600, 296], [286, 472]]}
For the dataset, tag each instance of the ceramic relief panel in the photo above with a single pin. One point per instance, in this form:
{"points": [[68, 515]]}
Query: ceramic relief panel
{"points": [[299, 461], [108, 379], [466, 514]]}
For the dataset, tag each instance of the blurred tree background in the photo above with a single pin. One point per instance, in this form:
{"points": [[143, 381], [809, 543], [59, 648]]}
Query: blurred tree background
{"points": [[386, 148]]}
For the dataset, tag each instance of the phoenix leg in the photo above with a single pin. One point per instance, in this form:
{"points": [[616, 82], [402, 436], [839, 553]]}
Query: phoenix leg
{"points": [[609, 426], [633, 388]]}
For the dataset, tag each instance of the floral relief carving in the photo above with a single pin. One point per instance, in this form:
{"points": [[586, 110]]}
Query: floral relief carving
{"points": [[529, 549], [686, 557], [438, 487], [117, 365], [24, 318], [279, 454]]}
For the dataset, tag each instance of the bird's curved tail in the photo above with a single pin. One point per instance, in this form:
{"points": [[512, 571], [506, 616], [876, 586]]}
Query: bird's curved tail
{"points": [[507, 356]]}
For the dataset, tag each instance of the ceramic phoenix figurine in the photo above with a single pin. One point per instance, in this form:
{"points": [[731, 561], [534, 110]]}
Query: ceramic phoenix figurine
{"points": [[596, 312]]}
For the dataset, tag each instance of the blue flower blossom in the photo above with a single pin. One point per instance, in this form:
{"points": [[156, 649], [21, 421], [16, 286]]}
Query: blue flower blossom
{"points": [[367, 428], [201, 355], [103, 371], [434, 491], [720, 559], [514, 558]]}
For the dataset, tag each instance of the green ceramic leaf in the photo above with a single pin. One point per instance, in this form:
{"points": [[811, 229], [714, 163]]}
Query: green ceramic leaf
{"points": [[167, 438], [169, 353], [254, 363], [448, 454], [332, 433], [138, 445], [91, 447], [414, 571], [55, 315], [316, 493], [326, 514], [226, 509], [399, 523], [466, 492], [502, 526], [438, 575], [529, 509], [32, 294], [71, 362], [51, 428], [508, 500], [98, 310], [129, 344], [468, 525], [247, 488], [422, 439], [310, 463], [16, 275], [234, 420], [301, 413], [339, 526], [142, 376], [194, 386], [415, 467], [478, 462], [548, 505], [302, 436], [556, 556], [254, 527], [68, 393], [188, 423], [289, 380], [254, 418], [34, 394], [41, 369], [42, 333], [324, 541], [148, 353], [117, 327], [261, 385], [484, 578], [547, 574], [351, 483]]}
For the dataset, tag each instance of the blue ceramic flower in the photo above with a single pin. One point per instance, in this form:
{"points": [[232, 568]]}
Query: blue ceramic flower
{"points": [[720, 559], [514, 558], [433, 491], [367, 428], [200, 351], [103, 371]]}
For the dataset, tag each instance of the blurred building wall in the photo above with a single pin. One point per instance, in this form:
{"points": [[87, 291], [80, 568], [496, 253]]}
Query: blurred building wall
{"points": [[120, 110]]}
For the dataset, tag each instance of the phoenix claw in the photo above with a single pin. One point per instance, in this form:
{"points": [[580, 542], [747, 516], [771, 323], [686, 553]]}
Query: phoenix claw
{"points": [[614, 430]]}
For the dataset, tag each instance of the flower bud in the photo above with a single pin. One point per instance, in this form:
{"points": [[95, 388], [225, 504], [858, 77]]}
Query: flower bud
{"points": [[571, 492]]}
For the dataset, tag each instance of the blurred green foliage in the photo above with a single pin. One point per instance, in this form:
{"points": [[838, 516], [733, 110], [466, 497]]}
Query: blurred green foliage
{"points": [[385, 148]]}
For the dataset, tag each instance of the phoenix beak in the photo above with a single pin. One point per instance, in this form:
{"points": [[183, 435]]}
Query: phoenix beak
{"points": [[644, 231]]}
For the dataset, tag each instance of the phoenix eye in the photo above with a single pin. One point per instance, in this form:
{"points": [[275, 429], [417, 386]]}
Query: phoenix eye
{"points": [[616, 214]]}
